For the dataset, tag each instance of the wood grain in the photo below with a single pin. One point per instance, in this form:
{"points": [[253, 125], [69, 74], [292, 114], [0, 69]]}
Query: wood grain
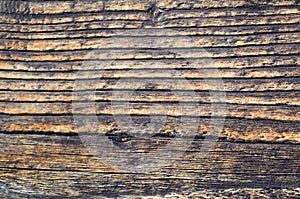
{"points": [[61, 166], [54, 54]]}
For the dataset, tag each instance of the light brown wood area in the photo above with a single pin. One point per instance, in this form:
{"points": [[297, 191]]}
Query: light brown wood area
{"points": [[235, 63]]}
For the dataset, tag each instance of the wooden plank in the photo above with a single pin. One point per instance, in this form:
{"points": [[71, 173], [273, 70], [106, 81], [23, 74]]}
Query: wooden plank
{"points": [[67, 169], [48, 66]]}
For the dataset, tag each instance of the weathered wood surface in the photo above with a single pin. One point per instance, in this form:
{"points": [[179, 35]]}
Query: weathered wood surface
{"points": [[34, 165], [46, 49]]}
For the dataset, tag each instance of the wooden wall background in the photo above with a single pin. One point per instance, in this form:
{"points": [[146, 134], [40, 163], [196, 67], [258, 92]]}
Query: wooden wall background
{"points": [[254, 43]]}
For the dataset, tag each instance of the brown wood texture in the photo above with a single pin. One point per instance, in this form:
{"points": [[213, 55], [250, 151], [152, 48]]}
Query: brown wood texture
{"points": [[50, 50]]}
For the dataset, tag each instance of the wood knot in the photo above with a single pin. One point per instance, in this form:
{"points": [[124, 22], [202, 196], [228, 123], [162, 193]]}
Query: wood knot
{"points": [[156, 13]]}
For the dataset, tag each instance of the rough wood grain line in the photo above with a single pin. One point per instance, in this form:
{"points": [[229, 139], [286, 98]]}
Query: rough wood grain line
{"points": [[270, 131], [268, 61], [68, 27], [205, 31], [247, 193], [273, 84], [143, 16], [68, 170], [292, 193], [82, 17], [52, 7], [57, 7], [175, 23], [287, 113], [228, 21], [148, 42], [228, 12], [150, 54], [285, 71], [259, 98], [22, 191], [194, 4]]}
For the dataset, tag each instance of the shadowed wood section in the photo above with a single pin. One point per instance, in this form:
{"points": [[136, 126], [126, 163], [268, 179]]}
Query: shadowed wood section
{"points": [[68, 68], [61, 165], [253, 130]]}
